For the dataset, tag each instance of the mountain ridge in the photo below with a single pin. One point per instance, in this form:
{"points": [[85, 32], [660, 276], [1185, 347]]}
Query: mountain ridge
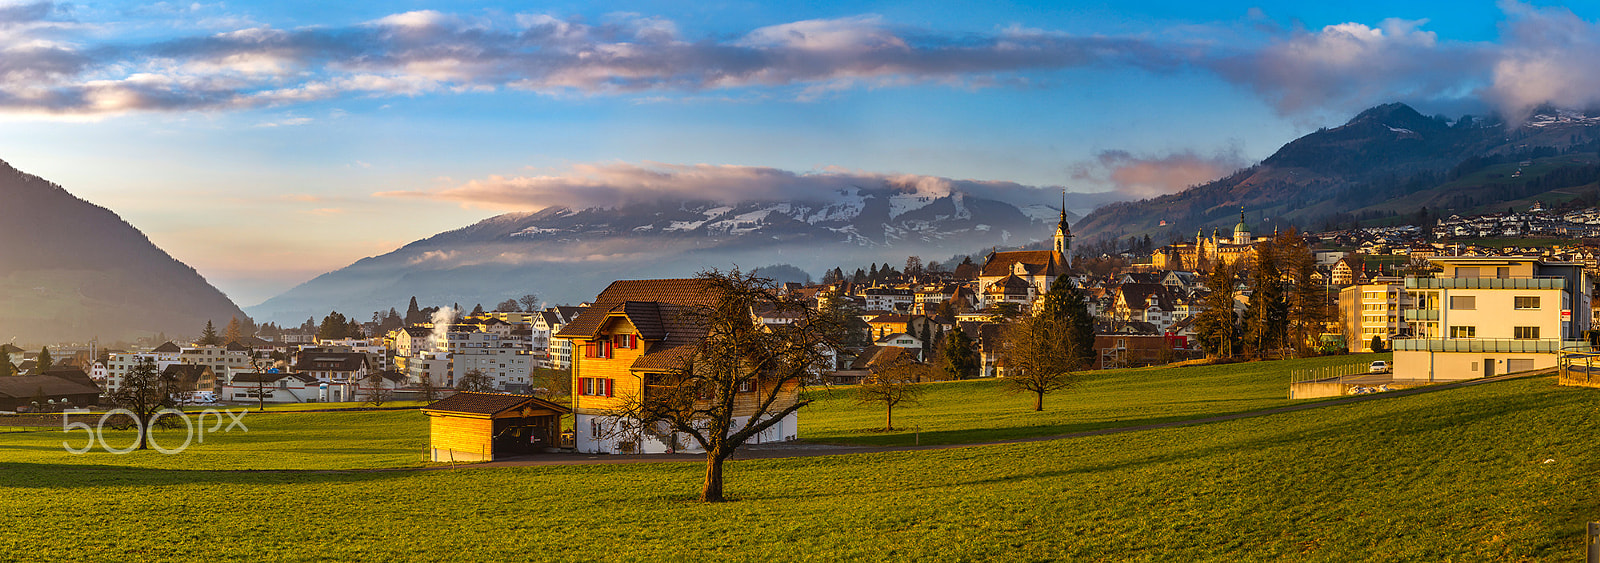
{"points": [[77, 270]]}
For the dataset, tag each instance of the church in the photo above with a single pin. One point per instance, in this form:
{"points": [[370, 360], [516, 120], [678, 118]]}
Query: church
{"points": [[1205, 251], [1024, 276]]}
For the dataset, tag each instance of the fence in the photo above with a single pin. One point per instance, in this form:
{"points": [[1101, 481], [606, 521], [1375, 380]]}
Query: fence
{"points": [[1327, 373], [1578, 366]]}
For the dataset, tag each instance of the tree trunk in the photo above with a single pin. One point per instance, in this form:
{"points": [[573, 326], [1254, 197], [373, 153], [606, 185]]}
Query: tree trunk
{"points": [[144, 435], [713, 487], [888, 419], [1038, 400]]}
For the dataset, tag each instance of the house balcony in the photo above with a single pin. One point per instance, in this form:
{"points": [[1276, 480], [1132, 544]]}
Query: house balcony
{"points": [[1422, 315], [1490, 345], [1487, 283]]}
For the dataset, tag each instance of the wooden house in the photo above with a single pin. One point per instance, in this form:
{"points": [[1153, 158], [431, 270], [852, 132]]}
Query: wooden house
{"points": [[634, 333], [485, 426]]}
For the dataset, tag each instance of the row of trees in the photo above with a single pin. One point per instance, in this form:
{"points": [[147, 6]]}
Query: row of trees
{"points": [[42, 363], [1286, 311]]}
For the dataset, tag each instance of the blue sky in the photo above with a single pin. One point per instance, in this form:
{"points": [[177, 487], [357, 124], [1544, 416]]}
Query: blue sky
{"points": [[264, 143]]}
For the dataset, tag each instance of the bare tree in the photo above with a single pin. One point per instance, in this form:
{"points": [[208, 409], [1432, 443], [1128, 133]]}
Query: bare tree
{"points": [[146, 391], [892, 385], [507, 306], [429, 392], [1037, 358], [377, 393], [475, 381], [530, 302], [739, 369]]}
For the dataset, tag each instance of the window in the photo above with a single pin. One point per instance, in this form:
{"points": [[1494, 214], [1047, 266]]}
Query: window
{"points": [[1463, 332], [1463, 302], [1466, 272], [1527, 302], [594, 386], [1502, 272], [1525, 332], [747, 386]]}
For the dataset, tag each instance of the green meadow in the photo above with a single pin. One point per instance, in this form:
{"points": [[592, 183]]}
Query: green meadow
{"points": [[965, 412], [1497, 472]]}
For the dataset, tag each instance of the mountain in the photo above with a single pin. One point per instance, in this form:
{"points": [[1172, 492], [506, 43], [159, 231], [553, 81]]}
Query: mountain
{"points": [[1387, 161], [74, 271], [567, 255]]}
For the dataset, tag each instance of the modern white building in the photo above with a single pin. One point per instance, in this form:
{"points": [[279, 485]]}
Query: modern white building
{"points": [[1486, 316]]}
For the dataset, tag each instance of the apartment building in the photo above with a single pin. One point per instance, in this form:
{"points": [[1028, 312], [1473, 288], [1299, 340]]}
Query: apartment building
{"points": [[1490, 315], [1374, 309]]}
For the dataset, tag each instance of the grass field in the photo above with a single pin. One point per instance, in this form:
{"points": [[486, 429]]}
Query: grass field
{"points": [[1498, 472], [300, 441], [963, 412]]}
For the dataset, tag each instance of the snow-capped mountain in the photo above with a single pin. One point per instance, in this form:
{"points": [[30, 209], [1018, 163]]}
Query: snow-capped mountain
{"points": [[567, 255]]}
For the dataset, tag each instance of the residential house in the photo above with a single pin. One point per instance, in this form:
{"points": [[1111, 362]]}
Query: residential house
{"points": [[634, 333]]}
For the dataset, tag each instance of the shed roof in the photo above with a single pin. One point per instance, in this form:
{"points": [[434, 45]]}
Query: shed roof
{"points": [[489, 404]]}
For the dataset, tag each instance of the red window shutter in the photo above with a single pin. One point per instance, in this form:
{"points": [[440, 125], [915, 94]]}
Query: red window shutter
{"points": [[609, 383], [633, 341]]}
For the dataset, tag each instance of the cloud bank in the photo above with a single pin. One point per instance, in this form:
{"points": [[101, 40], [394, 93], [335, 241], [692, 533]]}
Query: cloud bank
{"points": [[1145, 176], [50, 64], [622, 184]]}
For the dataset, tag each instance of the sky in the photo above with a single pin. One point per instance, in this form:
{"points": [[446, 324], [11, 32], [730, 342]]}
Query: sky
{"points": [[264, 143]]}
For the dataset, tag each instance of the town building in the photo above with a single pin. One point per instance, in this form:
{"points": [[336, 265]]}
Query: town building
{"points": [[1485, 316], [633, 334], [1374, 309]]}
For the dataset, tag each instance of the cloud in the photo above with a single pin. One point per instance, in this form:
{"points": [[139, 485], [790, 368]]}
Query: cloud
{"points": [[621, 184], [1146, 176], [52, 65], [1550, 56], [428, 51], [1351, 66]]}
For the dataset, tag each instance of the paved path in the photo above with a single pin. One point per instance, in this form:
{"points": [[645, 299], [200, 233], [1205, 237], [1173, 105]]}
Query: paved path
{"points": [[812, 450]]}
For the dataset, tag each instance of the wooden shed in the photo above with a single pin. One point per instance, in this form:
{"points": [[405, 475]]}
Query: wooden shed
{"points": [[484, 426]]}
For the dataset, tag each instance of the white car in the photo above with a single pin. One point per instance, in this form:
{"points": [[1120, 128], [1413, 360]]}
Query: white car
{"points": [[1379, 366]]}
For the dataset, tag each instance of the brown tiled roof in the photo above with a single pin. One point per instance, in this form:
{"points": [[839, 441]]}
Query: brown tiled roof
{"points": [[235, 346], [28, 386], [74, 375], [1136, 294], [167, 348], [672, 297], [489, 403], [1037, 261], [646, 317], [330, 361]]}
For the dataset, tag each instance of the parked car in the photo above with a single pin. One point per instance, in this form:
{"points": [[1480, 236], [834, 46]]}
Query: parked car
{"points": [[1379, 366]]}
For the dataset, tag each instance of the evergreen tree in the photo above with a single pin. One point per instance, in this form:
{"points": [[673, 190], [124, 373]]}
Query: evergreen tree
{"points": [[927, 342], [859, 277], [43, 363], [959, 358], [1066, 305], [478, 310], [208, 335], [1217, 326], [334, 327], [1266, 319], [7, 369], [413, 315]]}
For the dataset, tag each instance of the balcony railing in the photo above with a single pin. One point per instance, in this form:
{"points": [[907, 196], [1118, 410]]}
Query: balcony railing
{"points": [[1422, 315], [1504, 345], [1487, 283]]}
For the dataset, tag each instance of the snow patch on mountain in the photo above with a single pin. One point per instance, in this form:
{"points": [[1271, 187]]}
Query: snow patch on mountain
{"points": [[900, 204], [1042, 213]]}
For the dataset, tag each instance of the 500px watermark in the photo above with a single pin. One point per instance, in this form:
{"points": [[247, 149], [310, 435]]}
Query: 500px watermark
{"points": [[195, 429]]}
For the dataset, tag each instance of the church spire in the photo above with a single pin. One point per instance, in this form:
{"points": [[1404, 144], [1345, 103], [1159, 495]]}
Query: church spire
{"points": [[1063, 232]]}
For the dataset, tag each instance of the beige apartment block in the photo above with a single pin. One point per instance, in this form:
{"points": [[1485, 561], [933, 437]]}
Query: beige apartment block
{"points": [[1487, 316], [1373, 309]]}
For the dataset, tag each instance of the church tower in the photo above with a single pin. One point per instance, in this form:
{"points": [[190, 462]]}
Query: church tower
{"points": [[1064, 234], [1241, 233]]}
